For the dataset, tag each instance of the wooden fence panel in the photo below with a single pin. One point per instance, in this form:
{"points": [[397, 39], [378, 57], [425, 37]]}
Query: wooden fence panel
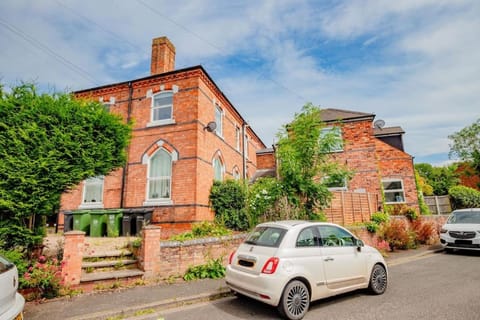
{"points": [[347, 208], [439, 204]]}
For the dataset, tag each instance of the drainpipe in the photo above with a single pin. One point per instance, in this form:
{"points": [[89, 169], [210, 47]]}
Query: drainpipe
{"points": [[125, 167], [244, 152]]}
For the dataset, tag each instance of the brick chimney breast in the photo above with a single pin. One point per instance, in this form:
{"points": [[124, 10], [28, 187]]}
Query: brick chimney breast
{"points": [[163, 56]]}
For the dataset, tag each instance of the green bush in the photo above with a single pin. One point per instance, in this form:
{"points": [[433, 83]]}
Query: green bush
{"points": [[262, 198], [15, 237], [380, 217], [202, 230], [372, 226], [213, 269], [464, 197], [228, 199]]}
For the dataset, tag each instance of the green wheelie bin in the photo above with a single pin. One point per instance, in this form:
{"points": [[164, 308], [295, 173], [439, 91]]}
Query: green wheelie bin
{"points": [[98, 224], [114, 222], [81, 221]]}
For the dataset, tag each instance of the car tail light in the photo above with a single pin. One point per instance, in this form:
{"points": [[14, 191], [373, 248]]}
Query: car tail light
{"points": [[270, 266], [230, 259]]}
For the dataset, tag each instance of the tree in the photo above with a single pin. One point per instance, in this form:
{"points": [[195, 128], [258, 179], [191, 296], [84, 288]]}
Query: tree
{"points": [[49, 144], [305, 165], [439, 178], [466, 144]]}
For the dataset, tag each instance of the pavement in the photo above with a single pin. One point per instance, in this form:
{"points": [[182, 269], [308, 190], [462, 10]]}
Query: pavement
{"points": [[143, 302]]}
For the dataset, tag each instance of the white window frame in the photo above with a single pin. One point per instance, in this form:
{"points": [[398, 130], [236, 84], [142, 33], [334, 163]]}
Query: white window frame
{"points": [[219, 120], [159, 200], [217, 161], [401, 191], [89, 183], [238, 134], [343, 187], [335, 129], [159, 122], [245, 141]]}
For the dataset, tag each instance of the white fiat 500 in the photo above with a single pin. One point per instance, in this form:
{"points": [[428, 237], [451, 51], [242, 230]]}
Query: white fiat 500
{"points": [[288, 264], [11, 302], [462, 230]]}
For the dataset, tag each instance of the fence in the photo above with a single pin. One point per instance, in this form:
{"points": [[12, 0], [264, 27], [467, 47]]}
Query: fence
{"points": [[347, 208], [439, 204]]}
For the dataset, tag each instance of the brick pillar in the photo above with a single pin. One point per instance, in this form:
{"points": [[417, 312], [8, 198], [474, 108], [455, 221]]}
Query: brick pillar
{"points": [[72, 257], [150, 251]]}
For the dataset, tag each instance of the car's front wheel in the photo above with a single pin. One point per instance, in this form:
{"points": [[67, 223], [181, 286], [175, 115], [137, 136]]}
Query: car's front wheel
{"points": [[295, 300], [378, 280]]}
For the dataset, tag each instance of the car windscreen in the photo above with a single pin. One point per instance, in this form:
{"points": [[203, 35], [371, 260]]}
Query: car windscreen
{"points": [[266, 236], [5, 265], [465, 217]]}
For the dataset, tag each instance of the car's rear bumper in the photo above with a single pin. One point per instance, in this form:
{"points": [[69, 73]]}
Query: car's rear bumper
{"points": [[265, 288]]}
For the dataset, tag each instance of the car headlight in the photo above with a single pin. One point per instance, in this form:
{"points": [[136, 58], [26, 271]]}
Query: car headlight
{"points": [[443, 230]]}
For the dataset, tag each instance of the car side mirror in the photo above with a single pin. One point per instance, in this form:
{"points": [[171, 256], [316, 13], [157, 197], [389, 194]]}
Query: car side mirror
{"points": [[360, 244]]}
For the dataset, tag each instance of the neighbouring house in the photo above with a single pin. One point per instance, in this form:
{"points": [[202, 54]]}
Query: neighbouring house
{"points": [[186, 133], [383, 171], [376, 156]]}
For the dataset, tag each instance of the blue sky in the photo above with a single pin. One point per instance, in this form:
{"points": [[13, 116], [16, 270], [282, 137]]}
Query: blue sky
{"points": [[413, 63]]}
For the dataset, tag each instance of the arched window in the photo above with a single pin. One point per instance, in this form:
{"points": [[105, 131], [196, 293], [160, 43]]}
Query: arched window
{"points": [[159, 176], [236, 173], [218, 169]]}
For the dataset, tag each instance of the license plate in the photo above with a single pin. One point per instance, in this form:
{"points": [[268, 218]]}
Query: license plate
{"points": [[463, 241]]}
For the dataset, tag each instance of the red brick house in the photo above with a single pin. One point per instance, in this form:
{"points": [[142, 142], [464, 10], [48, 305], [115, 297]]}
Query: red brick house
{"points": [[186, 133], [376, 156]]}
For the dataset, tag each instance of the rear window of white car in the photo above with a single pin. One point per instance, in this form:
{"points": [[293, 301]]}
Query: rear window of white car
{"points": [[5, 265], [465, 217], [266, 236]]}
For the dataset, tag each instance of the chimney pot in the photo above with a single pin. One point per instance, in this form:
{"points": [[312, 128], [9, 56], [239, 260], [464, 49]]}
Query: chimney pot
{"points": [[163, 56]]}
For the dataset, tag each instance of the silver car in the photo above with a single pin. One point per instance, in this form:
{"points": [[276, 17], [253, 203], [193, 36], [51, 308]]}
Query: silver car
{"points": [[462, 230], [11, 302], [288, 264]]}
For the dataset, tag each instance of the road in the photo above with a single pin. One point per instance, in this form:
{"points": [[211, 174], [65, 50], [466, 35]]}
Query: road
{"points": [[438, 286]]}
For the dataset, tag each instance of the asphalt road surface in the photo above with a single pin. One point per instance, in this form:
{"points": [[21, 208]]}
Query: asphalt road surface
{"points": [[439, 286]]}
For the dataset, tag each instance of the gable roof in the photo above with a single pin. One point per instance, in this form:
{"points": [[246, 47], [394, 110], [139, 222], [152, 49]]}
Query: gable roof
{"points": [[331, 115], [389, 131]]}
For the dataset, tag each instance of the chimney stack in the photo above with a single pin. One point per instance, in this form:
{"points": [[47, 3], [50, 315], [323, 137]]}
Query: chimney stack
{"points": [[163, 56]]}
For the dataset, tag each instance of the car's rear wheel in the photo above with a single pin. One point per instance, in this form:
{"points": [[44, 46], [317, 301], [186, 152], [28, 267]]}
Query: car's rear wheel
{"points": [[378, 280], [295, 300]]}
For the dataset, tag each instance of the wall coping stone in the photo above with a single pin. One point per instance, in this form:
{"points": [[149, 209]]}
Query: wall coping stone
{"points": [[194, 242]]}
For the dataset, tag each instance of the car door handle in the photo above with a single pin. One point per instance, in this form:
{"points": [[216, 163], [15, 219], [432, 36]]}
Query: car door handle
{"points": [[328, 259]]}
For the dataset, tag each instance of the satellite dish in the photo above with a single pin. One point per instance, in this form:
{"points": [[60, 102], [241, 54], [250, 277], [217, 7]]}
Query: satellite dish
{"points": [[211, 126], [379, 124]]}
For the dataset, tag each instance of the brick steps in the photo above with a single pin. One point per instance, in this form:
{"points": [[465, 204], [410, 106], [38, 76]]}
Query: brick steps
{"points": [[100, 266], [109, 275]]}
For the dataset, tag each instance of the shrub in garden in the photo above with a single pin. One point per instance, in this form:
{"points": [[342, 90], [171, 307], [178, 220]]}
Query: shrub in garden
{"points": [[44, 275], [228, 199], [213, 269], [425, 231], [376, 220], [397, 234], [202, 230], [464, 197]]}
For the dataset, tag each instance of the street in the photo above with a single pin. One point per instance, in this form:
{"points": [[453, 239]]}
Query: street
{"points": [[438, 286]]}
